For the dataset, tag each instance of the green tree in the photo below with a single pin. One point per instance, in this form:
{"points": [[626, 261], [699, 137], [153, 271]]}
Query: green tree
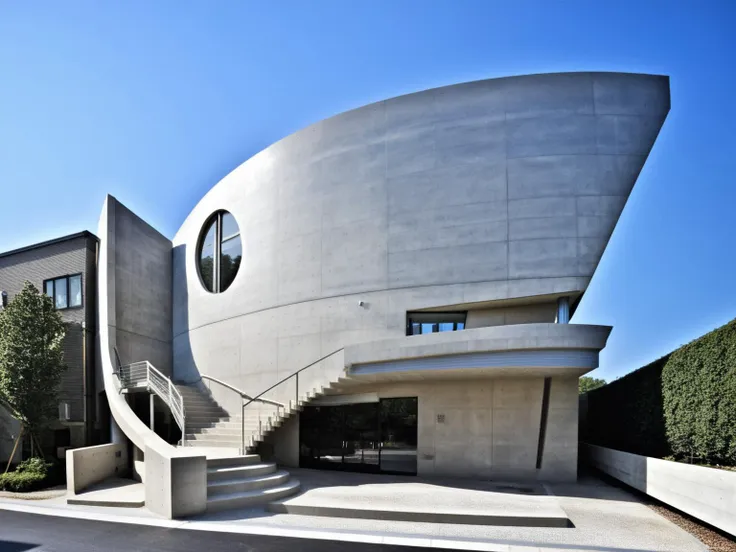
{"points": [[31, 359], [586, 383]]}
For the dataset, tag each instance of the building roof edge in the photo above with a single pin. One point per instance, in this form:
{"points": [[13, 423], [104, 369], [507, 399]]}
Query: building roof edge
{"points": [[82, 234]]}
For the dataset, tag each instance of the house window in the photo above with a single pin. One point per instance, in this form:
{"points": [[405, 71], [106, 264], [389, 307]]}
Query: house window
{"points": [[220, 252], [66, 292], [418, 323]]}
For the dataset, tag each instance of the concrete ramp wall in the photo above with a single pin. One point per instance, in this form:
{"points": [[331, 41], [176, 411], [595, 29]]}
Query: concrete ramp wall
{"points": [[707, 494]]}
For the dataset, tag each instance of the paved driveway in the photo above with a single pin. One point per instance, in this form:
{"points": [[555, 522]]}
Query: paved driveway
{"points": [[20, 532]]}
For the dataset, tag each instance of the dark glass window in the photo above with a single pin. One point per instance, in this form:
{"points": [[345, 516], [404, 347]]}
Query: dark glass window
{"points": [[66, 292], [378, 437], [207, 257], [220, 252], [433, 322], [60, 293]]}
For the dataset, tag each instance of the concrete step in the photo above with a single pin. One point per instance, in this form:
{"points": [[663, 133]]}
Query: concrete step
{"points": [[230, 472], [207, 420], [233, 461], [228, 427], [202, 407], [232, 445], [245, 499], [229, 443], [203, 437], [219, 430], [227, 486]]}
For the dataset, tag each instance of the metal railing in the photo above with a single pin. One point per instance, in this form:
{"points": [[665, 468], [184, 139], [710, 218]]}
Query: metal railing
{"points": [[243, 397], [294, 376], [144, 375]]}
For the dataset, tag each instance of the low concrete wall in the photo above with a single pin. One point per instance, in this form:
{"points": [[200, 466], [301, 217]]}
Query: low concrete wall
{"points": [[176, 484], [707, 494], [89, 465]]}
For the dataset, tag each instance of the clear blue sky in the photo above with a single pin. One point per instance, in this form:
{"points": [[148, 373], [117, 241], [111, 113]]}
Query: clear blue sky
{"points": [[155, 101]]}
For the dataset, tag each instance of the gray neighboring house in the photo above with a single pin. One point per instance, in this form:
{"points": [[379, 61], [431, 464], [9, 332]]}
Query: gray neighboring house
{"points": [[66, 269]]}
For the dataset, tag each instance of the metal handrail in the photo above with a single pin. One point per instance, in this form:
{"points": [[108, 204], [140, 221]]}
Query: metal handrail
{"points": [[144, 374], [239, 392], [243, 397], [287, 378]]}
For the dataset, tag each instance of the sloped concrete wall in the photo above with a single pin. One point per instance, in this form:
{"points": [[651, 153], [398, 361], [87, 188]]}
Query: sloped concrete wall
{"points": [[143, 291], [707, 494]]}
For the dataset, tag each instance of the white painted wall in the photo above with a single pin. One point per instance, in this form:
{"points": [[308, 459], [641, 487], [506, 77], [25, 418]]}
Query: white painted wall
{"points": [[707, 494]]}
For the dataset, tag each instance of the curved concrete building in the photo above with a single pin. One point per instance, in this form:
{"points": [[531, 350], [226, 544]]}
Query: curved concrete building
{"points": [[431, 246]]}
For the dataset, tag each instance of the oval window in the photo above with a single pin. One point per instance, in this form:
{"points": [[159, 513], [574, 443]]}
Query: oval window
{"points": [[220, 252]]}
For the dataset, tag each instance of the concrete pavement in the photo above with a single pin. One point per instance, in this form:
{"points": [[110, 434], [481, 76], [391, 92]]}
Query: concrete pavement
{"points": [[604, 518]]}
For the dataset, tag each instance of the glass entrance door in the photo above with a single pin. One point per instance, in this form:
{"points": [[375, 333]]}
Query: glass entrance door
{"points": [[369, 437], [399, 435]]}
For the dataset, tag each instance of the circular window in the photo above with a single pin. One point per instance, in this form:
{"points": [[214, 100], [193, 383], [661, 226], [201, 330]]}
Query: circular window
{"points": [[219, 252]]}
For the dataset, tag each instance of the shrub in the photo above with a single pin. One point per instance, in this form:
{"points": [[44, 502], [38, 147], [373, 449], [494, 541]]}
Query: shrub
{"points": [[35, 466], [29, 475], [22, 482], [627, 414]]}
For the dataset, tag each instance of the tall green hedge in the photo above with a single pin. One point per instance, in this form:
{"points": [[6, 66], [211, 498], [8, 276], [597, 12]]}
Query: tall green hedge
{"points": [[683, 404], [699, 388], [627, 414]]}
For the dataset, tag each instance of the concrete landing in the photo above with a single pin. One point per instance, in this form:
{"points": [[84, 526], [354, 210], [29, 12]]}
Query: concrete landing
{"points": [[113, 492], [403, 498]]}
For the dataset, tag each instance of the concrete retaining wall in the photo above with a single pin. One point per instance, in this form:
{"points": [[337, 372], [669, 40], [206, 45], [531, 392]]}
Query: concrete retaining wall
{"points": [[707, 494], [89, 465]]}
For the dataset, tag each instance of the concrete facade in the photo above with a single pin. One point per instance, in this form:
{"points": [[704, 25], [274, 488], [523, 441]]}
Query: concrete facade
{"points": [[494, 197], [69, 255], [489, 427]]}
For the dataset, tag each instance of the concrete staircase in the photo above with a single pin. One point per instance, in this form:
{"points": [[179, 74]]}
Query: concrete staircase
{"points": [[233, 480], [245, 481], [207, 423], [210, 425]]}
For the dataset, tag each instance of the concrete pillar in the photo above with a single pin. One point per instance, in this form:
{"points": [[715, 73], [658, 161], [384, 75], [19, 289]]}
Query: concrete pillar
{"points": [[563, 310], [116, 434]]}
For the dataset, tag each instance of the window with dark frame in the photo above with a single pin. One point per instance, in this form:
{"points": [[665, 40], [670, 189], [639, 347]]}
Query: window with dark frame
{"points": [[219, 252], [419, 323], [65, 291]]}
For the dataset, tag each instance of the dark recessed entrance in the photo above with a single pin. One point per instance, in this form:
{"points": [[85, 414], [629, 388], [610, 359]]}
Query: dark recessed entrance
{"points": [[377, 437]]}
